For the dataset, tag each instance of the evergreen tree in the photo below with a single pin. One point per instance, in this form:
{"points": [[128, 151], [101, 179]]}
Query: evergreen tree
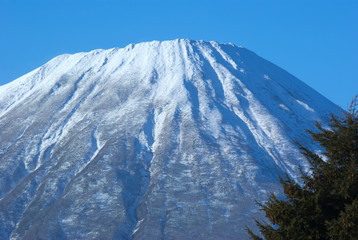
{"points": [[325, 206]]}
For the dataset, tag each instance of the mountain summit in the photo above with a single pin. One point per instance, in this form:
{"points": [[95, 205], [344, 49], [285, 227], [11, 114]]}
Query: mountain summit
{"points": [[157, 140]]}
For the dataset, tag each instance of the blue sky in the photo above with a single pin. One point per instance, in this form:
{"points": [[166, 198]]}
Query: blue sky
{"points": [[314, 40]]}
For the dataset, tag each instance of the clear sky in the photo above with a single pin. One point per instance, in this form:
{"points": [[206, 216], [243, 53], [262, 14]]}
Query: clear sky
{"points": [[315, 40]]}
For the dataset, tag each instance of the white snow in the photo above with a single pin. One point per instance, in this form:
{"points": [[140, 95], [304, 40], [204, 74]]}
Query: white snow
{"points": [[105, 138]]}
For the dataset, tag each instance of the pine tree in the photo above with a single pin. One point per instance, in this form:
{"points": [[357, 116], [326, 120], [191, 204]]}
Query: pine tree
{"points": [[325, 206]]}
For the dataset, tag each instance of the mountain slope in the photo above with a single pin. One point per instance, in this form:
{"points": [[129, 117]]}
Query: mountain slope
{"points": [[171, 140]]}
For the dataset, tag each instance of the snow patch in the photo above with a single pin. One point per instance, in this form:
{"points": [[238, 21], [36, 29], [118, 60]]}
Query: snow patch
{"points": [[304, 105]]}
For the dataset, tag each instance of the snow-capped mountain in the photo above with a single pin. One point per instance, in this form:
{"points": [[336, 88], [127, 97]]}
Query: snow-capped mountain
{"points": [[157, 140]]}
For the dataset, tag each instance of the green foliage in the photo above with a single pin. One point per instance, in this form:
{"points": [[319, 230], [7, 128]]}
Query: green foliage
{"points": [[326, 205]]}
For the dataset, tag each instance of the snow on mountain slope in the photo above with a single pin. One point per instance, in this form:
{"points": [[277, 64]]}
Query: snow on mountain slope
{"points": [[158, 140]]}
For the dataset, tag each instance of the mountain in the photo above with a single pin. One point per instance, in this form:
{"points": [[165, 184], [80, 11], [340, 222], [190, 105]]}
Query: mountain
{"points": [[157, 140]]}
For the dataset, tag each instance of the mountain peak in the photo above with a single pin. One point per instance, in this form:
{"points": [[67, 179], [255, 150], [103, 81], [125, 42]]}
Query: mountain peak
{"points": [[169, 139]]}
